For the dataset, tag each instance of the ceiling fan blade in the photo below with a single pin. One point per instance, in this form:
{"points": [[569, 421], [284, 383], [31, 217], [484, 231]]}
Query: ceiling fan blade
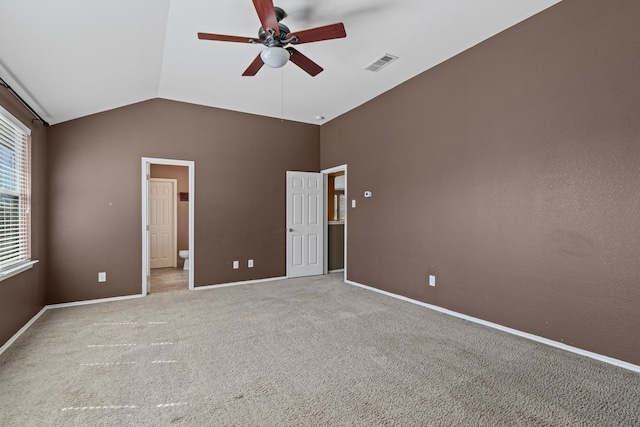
{"points": [[255, 66], [303, 62], [225, 38], [267, 15], [328, 32]]}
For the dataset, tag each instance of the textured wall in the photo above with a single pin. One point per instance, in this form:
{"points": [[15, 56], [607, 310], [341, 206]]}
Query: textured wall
{"points": [[512, 173], [22, 296], [95, 192]]}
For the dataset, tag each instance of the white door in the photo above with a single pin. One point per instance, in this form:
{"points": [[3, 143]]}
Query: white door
{"points": [[305, 224], [162, 220]]}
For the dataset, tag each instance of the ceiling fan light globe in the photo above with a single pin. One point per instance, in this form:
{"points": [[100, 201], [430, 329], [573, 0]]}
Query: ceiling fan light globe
{"points": [[275, 57]]}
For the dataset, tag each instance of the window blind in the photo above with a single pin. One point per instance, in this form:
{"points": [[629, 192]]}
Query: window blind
{"points": [[15, 200]]}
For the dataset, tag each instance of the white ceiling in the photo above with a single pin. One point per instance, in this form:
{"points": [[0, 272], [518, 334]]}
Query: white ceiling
{"points": [[71, 58]]}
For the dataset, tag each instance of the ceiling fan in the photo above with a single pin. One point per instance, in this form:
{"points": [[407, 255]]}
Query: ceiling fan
{"points": [[275, 36]]}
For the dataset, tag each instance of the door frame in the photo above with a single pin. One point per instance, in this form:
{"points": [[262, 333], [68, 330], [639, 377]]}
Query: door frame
{"points": [[326, 173], [174, 214], [145, 176]]}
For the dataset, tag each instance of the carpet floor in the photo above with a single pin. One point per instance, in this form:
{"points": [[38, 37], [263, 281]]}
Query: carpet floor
{"points": [[298, 352]]}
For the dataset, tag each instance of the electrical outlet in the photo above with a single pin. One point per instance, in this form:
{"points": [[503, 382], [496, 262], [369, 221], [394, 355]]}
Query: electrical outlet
{"points": [[236, 265], [102, 276], [250, 263], [432, 280]]}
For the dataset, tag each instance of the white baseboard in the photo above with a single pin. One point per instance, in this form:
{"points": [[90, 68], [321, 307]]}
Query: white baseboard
{"points": [[542, 340], [562, 346], [22, 330], [102, 300], [92, 301], [247, 282]]}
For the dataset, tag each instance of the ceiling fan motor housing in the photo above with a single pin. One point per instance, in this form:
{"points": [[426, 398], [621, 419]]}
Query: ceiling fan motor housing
{"points": [[272, 40]]}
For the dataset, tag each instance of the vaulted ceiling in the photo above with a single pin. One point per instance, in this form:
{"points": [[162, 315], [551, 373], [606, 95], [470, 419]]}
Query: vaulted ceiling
{"points": [[70, 58]]}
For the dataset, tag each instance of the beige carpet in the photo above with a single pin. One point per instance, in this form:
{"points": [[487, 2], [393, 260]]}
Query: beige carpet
{"points": [[305, 352]]}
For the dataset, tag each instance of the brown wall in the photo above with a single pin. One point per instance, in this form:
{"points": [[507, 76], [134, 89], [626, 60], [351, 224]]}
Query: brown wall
{"points": [[512, 173], [23, 296], [95, 193], [335, 252], [181, 175]]}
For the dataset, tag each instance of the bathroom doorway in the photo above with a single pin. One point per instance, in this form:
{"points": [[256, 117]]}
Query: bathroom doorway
{"points": [[165, 277]]}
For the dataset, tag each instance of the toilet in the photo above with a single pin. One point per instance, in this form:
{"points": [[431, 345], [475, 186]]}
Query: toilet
{"points": [[184, 254]]}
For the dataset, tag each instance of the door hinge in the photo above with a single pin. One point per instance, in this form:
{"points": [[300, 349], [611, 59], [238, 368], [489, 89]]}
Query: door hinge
{"points": [[147, 227], [148, 177]]}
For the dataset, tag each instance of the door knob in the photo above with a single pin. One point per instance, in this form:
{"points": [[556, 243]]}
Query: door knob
{"points": [[290, 230]]}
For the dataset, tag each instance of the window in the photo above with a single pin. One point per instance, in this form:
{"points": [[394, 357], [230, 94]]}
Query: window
{"points": [[15, 201]]}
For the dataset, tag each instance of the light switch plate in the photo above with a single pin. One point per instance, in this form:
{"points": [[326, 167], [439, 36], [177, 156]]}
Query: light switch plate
{"points": [[236, 265], [102, 276]]}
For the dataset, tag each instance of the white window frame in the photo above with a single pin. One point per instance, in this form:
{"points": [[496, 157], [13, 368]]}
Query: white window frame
{"points": [[22, 172]]}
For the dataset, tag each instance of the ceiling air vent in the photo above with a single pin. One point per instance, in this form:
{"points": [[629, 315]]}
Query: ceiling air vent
{"points": [[381, 62]]}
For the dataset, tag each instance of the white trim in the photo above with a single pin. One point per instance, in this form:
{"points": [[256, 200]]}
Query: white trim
{"points": [[589, 354], [22, 330], [92, 301], [326, 172], [536, 338], [247, 282], [24, 266], [339, 270], [335, 169], [325, 224], [146, 162], [54, 306]]}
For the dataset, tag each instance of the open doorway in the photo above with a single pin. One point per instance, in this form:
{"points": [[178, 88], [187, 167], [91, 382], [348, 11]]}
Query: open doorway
{"points": [[168, 231], [168, 228], [335, 234]]}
